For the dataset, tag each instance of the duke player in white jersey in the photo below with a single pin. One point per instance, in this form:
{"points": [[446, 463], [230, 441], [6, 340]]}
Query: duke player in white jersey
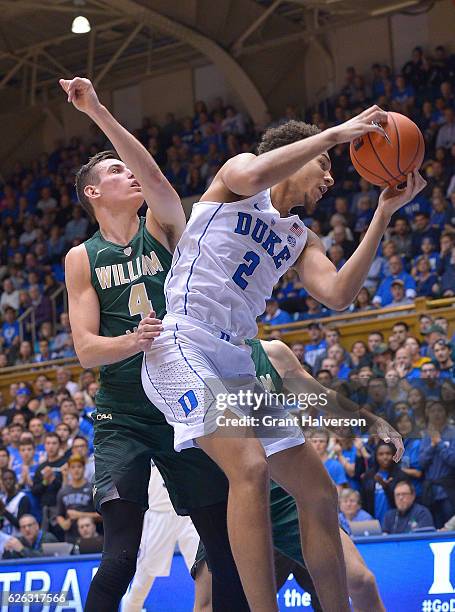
{"points": [[161, 531], [239, 241]]}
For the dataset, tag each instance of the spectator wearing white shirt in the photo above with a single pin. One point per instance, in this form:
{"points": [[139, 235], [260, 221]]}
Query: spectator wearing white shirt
{"points": [[10, 296]]}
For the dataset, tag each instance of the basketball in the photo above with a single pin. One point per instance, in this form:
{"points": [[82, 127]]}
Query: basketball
{"points": [[387, 161]]}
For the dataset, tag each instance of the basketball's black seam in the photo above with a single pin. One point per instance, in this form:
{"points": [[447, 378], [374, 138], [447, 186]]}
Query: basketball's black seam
{"points": [[420, 140], [365, 168], [379, 159], [398, 145]]}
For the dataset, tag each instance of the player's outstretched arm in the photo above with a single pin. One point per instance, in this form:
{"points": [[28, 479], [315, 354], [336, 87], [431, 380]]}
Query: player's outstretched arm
{"points": [[84, 311], [337, 290], [163, 201], [297, 381], [248, 174]]}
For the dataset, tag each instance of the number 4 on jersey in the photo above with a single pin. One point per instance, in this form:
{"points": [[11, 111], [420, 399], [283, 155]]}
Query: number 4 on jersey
{"points": [[139, 303]]}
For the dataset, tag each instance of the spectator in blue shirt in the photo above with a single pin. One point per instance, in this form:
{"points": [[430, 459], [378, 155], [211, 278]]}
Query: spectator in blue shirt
{"points": [[410, 463], [426, 281], [442, 353], [437, 458], [408, 514], [317, 345], [422, 229], [428, 382], [10, 328], [350, 506], [274, 315], [351, 454], [377, 484], [320, 440], [384, 295]]}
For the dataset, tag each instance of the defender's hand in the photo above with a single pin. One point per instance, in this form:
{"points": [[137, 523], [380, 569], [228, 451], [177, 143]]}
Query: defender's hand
{"points": [[148, 329], [392, 199], [81, 93], [368, 121], [387, 433]]}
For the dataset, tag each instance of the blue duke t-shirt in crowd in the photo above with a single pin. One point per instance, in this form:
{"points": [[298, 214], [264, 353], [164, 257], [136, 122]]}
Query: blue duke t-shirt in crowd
{"points": [[381, 503]]}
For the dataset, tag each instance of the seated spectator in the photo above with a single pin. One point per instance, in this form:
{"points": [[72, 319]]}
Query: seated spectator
{"points": [[446, 133], [351, 454], [9, 297], [298, 348], [359, 354], [351, 508], [422, 229], [13, 504], [9, 331], [399, 294], [25, 466], [408, 514], [413, 347], [377, 400], [74, 500], [317, 345], [4, 460], [401, 236], [378, 484], [428, 383], [63, 379], [437, 458], [25, 354], [444, 362], [362, 302], [80, 448], [410, 464], [274, 315], [384, 295], [395, 391], [314, 310], [426, 281], [86, 528], [46, 203], [30, 541], [49, 477], [41, 304], [320, 440], [337, 353]]}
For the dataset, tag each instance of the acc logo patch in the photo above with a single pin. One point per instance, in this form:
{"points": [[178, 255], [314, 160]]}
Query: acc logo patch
{"points": [[292, 241]]}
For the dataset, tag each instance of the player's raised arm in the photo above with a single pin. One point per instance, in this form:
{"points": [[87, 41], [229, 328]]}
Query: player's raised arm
{"points": [[162, 200], [248, 174], [338, 289], [84, 311]]}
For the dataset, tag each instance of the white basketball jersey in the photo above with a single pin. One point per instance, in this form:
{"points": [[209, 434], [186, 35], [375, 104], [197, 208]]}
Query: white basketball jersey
{"points": [[158, 496], [228, 260]]}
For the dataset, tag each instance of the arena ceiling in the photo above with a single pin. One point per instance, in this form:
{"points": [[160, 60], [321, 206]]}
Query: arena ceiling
{"points": [[133, 38]]}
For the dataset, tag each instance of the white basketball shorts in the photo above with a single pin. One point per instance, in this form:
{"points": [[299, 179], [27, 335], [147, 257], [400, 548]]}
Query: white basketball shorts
{"points": [[194, 372]]}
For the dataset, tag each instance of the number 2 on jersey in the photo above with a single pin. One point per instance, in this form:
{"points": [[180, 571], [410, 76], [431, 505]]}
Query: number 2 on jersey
{"points": [[246, 269], [139, 303]]}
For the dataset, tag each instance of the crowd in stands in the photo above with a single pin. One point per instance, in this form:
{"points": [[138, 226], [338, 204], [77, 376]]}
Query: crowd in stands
{"points": [[46, 456], [409, 383]]}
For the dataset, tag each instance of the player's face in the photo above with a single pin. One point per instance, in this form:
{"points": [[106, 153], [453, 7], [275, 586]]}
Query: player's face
{"points": [[116, 185], [312, 181]]}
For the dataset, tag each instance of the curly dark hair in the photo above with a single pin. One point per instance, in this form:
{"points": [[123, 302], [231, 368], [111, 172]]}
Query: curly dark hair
{"points": [[87, 176], [284, 134]]}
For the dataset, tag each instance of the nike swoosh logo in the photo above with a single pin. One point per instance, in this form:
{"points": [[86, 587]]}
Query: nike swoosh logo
{"points": [[101, 250], [255, 205]]}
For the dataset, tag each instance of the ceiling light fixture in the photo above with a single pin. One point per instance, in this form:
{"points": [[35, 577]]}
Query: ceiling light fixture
{"points": [[80, 25]]}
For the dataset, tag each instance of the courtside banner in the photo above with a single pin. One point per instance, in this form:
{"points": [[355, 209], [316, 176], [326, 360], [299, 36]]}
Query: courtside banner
{"points": [[414, 573]]}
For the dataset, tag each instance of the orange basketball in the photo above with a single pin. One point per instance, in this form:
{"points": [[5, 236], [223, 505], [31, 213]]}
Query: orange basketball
{"points": [[387, 163]]}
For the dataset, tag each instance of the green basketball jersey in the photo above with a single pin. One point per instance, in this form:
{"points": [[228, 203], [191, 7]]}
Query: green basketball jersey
{"points": [[129, 282], [265, 372]]}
